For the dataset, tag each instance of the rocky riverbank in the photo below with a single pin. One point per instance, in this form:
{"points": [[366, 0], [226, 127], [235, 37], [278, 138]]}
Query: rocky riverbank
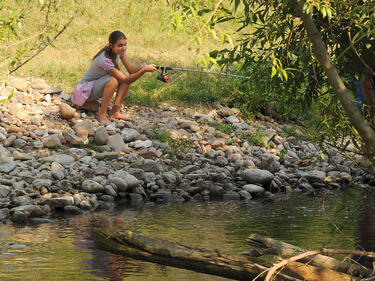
{"points": [[55, 159]]}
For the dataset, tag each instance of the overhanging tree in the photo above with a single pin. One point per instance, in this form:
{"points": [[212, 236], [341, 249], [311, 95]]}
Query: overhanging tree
{"points": [[285, 38]]}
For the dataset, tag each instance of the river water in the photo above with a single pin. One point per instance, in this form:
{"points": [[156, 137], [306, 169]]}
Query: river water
{"points": [[63, 250]]}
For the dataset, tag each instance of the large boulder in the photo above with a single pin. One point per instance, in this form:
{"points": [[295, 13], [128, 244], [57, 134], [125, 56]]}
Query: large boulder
{"points": [[258, 176]]}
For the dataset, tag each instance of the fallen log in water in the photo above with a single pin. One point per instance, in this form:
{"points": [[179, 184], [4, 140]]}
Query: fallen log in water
{"points": [[174, 254], [213, 262], [265, 245]]}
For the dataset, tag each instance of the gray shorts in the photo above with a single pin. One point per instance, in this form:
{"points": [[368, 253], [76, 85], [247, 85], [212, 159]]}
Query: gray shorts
{"points": [[97, 89]]}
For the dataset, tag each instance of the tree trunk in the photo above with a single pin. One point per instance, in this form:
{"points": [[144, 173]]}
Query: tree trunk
{"points": [[268, 246], [320, 51], [207, 261]]}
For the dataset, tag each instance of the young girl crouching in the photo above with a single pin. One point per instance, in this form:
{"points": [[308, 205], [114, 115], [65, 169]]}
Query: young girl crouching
{"points": [[103, 78]]}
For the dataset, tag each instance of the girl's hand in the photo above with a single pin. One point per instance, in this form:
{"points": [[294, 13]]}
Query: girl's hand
{"points": [[150, 67]]}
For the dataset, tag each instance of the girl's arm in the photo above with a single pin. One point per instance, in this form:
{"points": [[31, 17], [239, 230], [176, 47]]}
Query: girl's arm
{"points": [[133, 76], [130, 68]]}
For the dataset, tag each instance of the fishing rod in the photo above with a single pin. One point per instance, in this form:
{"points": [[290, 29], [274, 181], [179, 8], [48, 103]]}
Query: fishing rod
{"points": [[165, 78]]}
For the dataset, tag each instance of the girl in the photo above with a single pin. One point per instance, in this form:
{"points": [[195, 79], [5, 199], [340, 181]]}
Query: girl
{"points": [[103, 78]]}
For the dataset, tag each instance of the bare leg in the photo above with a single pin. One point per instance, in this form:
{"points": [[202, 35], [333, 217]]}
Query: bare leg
{"points": [[121, 93], [108, 91]]}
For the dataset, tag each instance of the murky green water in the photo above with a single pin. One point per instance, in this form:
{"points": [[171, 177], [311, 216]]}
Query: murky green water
{"points": [[63, 250]]}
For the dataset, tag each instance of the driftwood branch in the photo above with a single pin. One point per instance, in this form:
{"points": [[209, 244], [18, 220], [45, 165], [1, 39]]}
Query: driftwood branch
{"points": [[264, 245], [313, 273]]}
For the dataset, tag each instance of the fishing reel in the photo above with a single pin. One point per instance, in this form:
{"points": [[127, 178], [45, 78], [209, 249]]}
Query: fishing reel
{"points": [[163, 75]]}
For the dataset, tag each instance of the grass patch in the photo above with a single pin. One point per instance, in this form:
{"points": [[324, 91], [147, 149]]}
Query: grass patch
{"points": [[176, 147], [224, 128], [258, 138]]}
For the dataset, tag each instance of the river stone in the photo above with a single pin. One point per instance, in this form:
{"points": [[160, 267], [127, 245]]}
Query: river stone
{"points": [[91, 186], [20, 84], [50, 91], [242, 125], [151, 166], [188, 169], [231, 195], [4, 191], [253, 189], [258, 176], [101, 136], [130, 180], [32, 211], [63, 159], [129, 134], [22, 200], [60, 202], [169, 177], [225, 111], [19, 217], [232, 119], [314, 176], [108, 189], [19, 143], [10, 140], [216, 191], [2, 137], [38, 184], [17, 155], [85, 125], [72, 210], [51, 141], [7, 164], [116, 143], [107, 155], [39, 84], [211, 153], [149, 177], [121, 184], [83, 133], [245, 195], [142, 144], [269, 163], [4, 214], [221, 161], [73, 139], [67, 111], [85, 205], [4, 152]]}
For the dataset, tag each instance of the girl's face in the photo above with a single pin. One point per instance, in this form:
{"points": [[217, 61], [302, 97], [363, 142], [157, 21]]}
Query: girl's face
{"points": [[120, 47]]}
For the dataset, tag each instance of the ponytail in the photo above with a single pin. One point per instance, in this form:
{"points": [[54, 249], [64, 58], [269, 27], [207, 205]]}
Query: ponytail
{"points": [[113, 38]]}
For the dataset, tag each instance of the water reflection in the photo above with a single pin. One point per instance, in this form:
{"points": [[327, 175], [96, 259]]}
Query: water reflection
{"points": [[64, 250], [366, 230]]}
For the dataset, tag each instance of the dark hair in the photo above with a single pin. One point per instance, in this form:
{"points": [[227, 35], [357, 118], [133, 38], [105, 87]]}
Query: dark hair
{"points": [[113, 38]]}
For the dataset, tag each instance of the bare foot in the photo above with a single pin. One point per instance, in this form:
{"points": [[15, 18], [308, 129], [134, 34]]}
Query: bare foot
{"points": [[103, 118], [118, 115]]}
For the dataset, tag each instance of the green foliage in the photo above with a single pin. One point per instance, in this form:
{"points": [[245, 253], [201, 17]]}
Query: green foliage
{"points": [[223, 127], [257, 138], [90, 145], [176, 146]]}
